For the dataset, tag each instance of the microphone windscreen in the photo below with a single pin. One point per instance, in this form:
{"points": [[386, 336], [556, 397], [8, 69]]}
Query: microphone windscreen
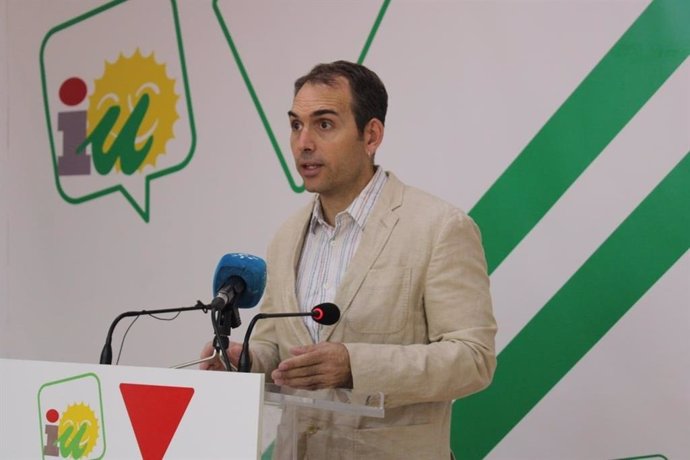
{"points": [[250, 268], [326, 313]]}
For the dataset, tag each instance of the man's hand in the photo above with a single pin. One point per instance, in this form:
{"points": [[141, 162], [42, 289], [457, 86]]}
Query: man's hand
{"points": [[312, 367], [234, 350]]}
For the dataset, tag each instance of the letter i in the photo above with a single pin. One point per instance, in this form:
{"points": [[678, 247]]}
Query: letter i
{"points": [[51, 431], [73, 127]]}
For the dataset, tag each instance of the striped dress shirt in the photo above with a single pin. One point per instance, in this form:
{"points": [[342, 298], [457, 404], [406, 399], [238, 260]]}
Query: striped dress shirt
{"points": [[327, 250]]}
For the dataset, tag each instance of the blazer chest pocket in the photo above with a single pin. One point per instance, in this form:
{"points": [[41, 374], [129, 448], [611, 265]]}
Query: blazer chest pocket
{"points": [[382, 304]]}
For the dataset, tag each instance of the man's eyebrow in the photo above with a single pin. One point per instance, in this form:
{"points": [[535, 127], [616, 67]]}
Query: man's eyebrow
{"points": [[314, 114], [318, 113]]}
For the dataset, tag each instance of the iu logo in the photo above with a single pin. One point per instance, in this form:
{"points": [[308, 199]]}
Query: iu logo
{"points": [[118, 108], [130, 118], [71, 418]]}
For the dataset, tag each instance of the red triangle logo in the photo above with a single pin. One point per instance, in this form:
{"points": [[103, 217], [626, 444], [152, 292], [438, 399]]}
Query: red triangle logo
{"points": [[155, 412]]}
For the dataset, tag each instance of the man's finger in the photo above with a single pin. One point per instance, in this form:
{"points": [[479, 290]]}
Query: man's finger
{"points": [[301, 350], [306, 382], [307, 359]]}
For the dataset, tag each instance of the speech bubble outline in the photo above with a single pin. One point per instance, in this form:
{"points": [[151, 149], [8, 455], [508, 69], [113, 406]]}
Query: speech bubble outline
{"points": [[142, 210], [82, 379]]}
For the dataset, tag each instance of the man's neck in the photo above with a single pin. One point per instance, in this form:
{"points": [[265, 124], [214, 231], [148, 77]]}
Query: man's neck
{"points": [[332, 205]]}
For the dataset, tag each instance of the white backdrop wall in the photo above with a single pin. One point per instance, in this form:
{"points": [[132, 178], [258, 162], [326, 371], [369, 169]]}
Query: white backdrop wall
{"points": [[471, 85], [4, 192]]}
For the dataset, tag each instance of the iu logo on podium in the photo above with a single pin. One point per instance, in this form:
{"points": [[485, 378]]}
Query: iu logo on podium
{"points": [[71, 418]]}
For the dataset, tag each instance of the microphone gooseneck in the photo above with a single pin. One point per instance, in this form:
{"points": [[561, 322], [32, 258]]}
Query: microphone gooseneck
{"points": [[107, 352], [326, 313]]}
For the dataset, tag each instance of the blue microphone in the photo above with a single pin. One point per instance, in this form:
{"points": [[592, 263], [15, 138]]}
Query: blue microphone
{"points": [[240, 280]]}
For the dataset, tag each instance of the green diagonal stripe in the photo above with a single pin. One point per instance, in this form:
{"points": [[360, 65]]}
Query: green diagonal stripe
{"points": [[374, 29], [613, 279], [255, 99], [625, 79]]}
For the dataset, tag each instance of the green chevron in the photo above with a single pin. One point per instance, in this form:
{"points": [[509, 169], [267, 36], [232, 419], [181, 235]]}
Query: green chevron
{"points": [[611, 281], [264, 119], [255, 98]]}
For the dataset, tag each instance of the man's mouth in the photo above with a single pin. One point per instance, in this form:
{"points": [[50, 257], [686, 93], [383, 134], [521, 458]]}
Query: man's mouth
{"points": [[310, 169]]}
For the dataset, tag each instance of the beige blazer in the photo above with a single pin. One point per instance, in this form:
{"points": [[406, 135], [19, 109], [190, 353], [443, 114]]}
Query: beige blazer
{"points": [[416, 319]]}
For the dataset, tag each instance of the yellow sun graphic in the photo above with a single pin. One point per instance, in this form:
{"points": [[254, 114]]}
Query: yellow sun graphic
{"points": [[123, 84], [78, 425]]}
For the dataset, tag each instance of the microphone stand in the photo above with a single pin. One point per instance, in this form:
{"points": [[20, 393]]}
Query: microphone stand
{"points": [[107, 352], [223, 320]]}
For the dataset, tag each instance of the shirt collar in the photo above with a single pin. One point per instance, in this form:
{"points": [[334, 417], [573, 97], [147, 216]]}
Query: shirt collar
{"points": [[360, 208]]}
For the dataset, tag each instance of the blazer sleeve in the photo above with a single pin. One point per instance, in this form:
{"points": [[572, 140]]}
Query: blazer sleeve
{"points": [[263, 350], [457, 356]]}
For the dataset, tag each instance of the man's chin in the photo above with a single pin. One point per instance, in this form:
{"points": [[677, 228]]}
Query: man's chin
{"points": [[310, 185]]}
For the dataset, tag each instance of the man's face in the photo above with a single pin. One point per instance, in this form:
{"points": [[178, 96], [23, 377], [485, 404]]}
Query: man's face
{"points": [[329, 152]]}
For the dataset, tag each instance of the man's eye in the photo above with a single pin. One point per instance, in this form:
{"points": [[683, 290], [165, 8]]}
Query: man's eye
{"points": [[295, 125], [325, 124]]}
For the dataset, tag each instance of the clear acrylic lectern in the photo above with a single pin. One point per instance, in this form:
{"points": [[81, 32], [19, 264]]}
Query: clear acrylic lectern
{"points": [[301, 416]]}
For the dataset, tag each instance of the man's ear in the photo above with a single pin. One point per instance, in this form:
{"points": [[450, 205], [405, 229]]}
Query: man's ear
{"points": [[373, 136]]}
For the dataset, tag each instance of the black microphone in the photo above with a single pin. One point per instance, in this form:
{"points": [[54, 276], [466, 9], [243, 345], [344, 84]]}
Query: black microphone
{"points": [[229, 292], [326, 313]]}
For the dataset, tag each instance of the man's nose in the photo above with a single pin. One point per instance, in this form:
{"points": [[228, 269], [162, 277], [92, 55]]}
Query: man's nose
{"points": [[305, 140]]}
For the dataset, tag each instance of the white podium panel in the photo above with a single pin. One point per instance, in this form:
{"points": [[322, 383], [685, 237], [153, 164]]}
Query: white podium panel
{"points": [[54, 410]]}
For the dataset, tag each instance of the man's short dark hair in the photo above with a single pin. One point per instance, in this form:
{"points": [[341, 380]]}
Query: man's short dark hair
{"points": [[369, 96]]}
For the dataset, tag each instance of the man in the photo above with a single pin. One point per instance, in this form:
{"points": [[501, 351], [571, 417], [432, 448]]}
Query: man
{"points": [[406, 269]]}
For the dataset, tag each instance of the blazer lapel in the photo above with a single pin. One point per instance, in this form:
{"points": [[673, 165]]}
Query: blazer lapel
{"points": [[377, 230], [288, 265]]}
